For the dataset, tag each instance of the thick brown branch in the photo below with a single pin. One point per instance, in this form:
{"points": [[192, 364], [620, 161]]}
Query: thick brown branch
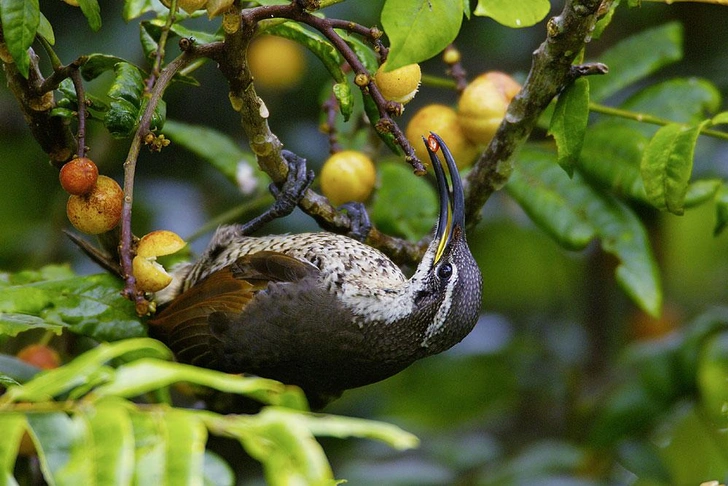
{"points": [[551, 70]]}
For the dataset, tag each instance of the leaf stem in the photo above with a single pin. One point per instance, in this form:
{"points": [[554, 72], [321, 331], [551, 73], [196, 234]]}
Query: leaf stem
{"points": [[647, 118], [81, 110], [161, 45]]}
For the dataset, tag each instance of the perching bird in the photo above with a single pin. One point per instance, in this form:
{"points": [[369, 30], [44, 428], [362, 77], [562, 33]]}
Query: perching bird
{"points": [[321, 310]]}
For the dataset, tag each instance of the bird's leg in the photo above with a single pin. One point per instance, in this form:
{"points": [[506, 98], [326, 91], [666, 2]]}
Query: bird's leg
{"points": [[287, 195], [361, 225]]}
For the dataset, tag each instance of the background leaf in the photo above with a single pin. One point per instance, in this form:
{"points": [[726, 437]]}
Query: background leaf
{"points": [[20, 20], [568, 124], [523, 13], [419, 29], [637, 57], [92, 11]]}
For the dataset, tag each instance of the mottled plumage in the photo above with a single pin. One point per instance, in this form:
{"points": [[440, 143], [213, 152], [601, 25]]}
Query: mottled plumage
{"points": [[320, 310]]}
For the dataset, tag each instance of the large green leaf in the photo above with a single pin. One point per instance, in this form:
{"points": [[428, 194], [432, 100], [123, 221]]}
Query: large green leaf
{"points": [[620, 231], [405, 205], [89, 305], [637, 57], [113, 439], [419, 29], [150, 450], [523, 13], [214, 147], [611, 157], [128, 103], [541, 190], [667, 164], [20, 21], [721, 211], [186, 438], [92, 11], [13, 426], [568, 124], [681, 100]]}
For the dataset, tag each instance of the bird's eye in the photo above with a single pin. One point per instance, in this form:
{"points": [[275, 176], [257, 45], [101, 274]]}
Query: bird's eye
{"points": [[444, 271]]}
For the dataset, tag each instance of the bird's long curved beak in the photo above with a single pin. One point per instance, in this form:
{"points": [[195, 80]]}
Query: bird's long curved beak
{"points": [[450, 191]]}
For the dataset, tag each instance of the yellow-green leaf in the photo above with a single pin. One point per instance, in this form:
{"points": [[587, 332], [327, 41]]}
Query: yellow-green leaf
{"points": [[568, 124], [523, 13]]}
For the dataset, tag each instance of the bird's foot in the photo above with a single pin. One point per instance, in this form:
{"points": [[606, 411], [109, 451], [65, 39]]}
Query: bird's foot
{"points": [[361, 225], [288, 195]]}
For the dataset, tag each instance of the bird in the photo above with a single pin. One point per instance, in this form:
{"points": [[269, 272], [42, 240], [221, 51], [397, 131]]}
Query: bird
{"points": [[323, 311]]}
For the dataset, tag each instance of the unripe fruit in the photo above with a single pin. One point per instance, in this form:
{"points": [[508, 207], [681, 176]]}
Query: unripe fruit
{"points": [[99, 210], [188, 6], [400, 84], [276, 63], [78, 176], [40, 356], [483, 105], [442, 120], [348, 176], [151, 276]]}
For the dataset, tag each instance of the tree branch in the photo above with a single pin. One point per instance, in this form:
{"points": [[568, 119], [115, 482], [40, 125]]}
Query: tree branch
{"points": [[551, 70]]}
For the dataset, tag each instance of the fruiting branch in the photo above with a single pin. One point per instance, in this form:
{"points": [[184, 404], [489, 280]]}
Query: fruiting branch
{"points": [[551, 70]]}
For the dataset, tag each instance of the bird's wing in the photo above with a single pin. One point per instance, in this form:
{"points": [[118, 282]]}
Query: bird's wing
{"points": [[184, 323]]}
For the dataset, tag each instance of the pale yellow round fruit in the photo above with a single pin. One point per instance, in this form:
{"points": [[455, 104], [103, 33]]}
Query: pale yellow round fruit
{"points": [[483, 105], [188, 6], [276, 63], [159, 243], [400, 84], [99, 210], [442, 120], [348, 176], [150, 276]]}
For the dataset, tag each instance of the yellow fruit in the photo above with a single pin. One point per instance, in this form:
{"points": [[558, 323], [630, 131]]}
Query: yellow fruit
{"points": [[188, 6], [276, 63], [150, 276], [99, 210], [442, 120], [159, 243], [484, 103], [348, 176], [400, 84]]}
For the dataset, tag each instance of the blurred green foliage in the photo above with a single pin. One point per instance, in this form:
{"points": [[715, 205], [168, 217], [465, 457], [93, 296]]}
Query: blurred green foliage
{"points": [[565, 380]]}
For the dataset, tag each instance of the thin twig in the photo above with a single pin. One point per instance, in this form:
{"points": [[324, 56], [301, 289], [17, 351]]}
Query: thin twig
{"points": [[162, 44], [81, 110]]}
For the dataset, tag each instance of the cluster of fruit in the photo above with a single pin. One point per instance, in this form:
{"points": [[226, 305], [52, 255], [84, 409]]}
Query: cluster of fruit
{"points": [[94, 207], [350, 175]]}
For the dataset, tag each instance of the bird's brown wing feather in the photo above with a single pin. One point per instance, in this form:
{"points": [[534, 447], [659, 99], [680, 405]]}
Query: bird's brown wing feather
{"points": [[184, 324]]}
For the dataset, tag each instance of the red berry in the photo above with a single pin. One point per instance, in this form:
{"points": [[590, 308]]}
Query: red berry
{"points": [[79, 176], [40, 356]]}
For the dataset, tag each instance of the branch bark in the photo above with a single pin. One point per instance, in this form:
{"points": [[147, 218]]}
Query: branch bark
{"points": [[551, 71]]}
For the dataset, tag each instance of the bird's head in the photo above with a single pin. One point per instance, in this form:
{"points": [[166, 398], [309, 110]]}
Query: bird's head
{"points": [[448, 278]]}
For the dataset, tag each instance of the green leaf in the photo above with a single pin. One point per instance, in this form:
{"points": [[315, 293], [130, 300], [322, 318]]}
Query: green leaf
{"points": [[314, 42], [701, 191], [221, 151], [679, 100], [523, 13], [20, 21], [128, 104], [667, 165], [89, 305], [568, 124], [721, 211], [637, 57], [713, 378], [92, 12], [84, 369], [97, 64], [611, 157], [542, 189], [146, 375], [620, 231], [13, 426], [62, 443], [113, 435], [217, 471], [137, 8], [155, 26], [343, 95], [419, 29], [720, 119], [14, 371], [150, 449], [405, 205], [45, 30], [186, 438]]}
